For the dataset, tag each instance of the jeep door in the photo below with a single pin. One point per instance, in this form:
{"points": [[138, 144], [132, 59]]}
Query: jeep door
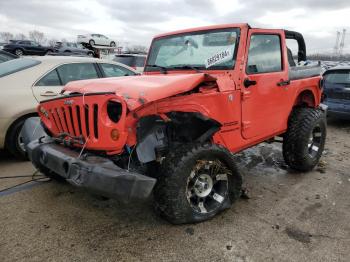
{"points": [[265, 84]]}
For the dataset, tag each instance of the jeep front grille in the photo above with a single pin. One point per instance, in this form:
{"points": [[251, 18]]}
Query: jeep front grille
{"points": [[76, 120]]}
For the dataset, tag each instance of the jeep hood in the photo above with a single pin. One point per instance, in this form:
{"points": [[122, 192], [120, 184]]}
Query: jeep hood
{"points": [[138, 90]]}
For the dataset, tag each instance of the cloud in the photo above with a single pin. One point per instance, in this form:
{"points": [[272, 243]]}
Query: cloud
{"points": [[136, 21]]}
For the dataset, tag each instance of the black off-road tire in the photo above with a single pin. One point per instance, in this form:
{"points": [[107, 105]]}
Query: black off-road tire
{"points": [[12, 142], [170, 191], [302, 124]]}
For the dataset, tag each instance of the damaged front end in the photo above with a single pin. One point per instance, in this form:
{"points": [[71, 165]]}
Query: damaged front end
{"points": [[92, 172], [81, 138]]}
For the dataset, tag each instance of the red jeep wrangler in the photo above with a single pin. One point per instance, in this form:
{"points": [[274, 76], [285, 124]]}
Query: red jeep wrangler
{"points": [[206, 93]]}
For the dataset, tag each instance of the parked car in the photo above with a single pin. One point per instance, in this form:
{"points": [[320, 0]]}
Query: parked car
{"points": [[5, 56], [336, 83], [72, 49], [27, 81], [96, 39], [27, 47], [136, 61], [205, 93]]}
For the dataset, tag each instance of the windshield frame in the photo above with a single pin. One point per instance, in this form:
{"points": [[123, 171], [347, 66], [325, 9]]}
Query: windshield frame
{"points": [[149, 68]]}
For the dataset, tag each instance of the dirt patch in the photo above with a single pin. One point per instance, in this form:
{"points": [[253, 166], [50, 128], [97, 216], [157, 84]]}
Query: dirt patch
{"points": [[298, 235]]}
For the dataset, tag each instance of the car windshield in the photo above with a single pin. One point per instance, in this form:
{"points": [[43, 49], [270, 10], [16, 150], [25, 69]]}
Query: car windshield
{"points": [[338, 77], [16, 65], [211, 49]]}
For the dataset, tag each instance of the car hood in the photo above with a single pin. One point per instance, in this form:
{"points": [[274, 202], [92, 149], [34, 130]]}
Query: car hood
{"points": [[138, 90]]}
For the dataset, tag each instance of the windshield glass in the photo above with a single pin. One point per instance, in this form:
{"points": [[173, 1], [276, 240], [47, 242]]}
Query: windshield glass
{"points": [[340, 77], [212, 49], [16, 65]]}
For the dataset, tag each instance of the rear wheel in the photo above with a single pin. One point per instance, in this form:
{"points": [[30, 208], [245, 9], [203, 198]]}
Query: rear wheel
{"points": [[112, 44], [304, 141], [196, 183], [91, 42], [19, 52]]}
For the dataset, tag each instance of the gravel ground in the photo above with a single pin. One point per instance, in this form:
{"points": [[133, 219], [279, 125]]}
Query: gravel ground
{"points": [[288, 217]]}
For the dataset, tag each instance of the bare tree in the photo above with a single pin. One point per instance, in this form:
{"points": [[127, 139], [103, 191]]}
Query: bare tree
{"points": [[52, 42], [6, 36], [137, 49], [20, 36], [37, 36]]}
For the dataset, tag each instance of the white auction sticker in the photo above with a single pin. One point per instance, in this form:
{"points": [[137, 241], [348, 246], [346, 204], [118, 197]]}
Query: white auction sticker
{"points": [[218, 58]]}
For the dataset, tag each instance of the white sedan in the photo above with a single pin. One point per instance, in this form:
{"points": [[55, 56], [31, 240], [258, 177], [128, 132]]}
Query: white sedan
{"points": [[96, 39], [27, 81]]}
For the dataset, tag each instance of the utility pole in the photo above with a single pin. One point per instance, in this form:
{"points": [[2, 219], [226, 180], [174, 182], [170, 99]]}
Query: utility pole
{"points": [[342, 42], [336, 47]]}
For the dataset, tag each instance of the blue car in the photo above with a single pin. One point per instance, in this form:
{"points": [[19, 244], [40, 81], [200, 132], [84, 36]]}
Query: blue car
{"points": [[337, 91]]}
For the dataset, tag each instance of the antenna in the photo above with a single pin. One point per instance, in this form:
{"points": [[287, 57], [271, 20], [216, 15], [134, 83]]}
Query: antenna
{"points": [[342, 42], [336, 47]]}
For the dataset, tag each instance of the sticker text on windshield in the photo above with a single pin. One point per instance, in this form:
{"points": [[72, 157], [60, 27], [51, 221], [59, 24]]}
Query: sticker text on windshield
{"points": [[218, 58]]}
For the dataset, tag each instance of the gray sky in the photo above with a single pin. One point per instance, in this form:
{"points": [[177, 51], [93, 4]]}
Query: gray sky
{"points": [[136, 21]]}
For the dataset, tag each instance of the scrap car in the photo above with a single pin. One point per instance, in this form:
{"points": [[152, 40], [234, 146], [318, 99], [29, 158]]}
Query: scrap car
{"points": [[69, 48], [337, 91], [27, 47], [205, 93]]}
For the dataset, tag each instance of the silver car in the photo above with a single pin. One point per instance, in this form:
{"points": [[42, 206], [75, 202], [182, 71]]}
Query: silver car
{"points": [[68, 48]]}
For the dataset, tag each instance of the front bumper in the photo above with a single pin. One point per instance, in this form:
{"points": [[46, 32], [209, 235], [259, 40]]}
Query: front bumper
{"points": [[94, 173]]}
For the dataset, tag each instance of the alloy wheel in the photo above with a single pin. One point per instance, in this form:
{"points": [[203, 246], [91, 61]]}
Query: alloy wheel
{"points": [[207, 185]]}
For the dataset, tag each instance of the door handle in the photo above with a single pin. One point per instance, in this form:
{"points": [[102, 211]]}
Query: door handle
{"points": [[283, 83], [49, 93], [247, 83]]}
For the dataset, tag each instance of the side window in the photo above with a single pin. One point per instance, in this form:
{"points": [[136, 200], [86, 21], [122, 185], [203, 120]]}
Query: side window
{"points": [[78, 71], [111, 70], [264, 54], [51, 79]]}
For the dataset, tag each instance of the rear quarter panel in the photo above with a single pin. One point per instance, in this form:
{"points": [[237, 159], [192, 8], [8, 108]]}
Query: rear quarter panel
{"points": [[16, 98]]}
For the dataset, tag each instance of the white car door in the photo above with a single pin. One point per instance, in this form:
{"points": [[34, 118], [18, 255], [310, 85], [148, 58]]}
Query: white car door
{"points": [[47, 87], [100, 40], [105, 40]]}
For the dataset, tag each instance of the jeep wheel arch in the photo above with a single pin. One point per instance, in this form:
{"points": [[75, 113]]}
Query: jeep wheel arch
{"points": [[305, 98], [158, 134]]}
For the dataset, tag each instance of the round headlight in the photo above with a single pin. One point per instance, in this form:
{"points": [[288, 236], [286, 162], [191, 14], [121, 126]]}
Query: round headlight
{"points": [[114, 111]]}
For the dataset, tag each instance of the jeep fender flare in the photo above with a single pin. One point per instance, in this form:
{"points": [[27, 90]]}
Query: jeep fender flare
{"points": [[306, 97]]}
